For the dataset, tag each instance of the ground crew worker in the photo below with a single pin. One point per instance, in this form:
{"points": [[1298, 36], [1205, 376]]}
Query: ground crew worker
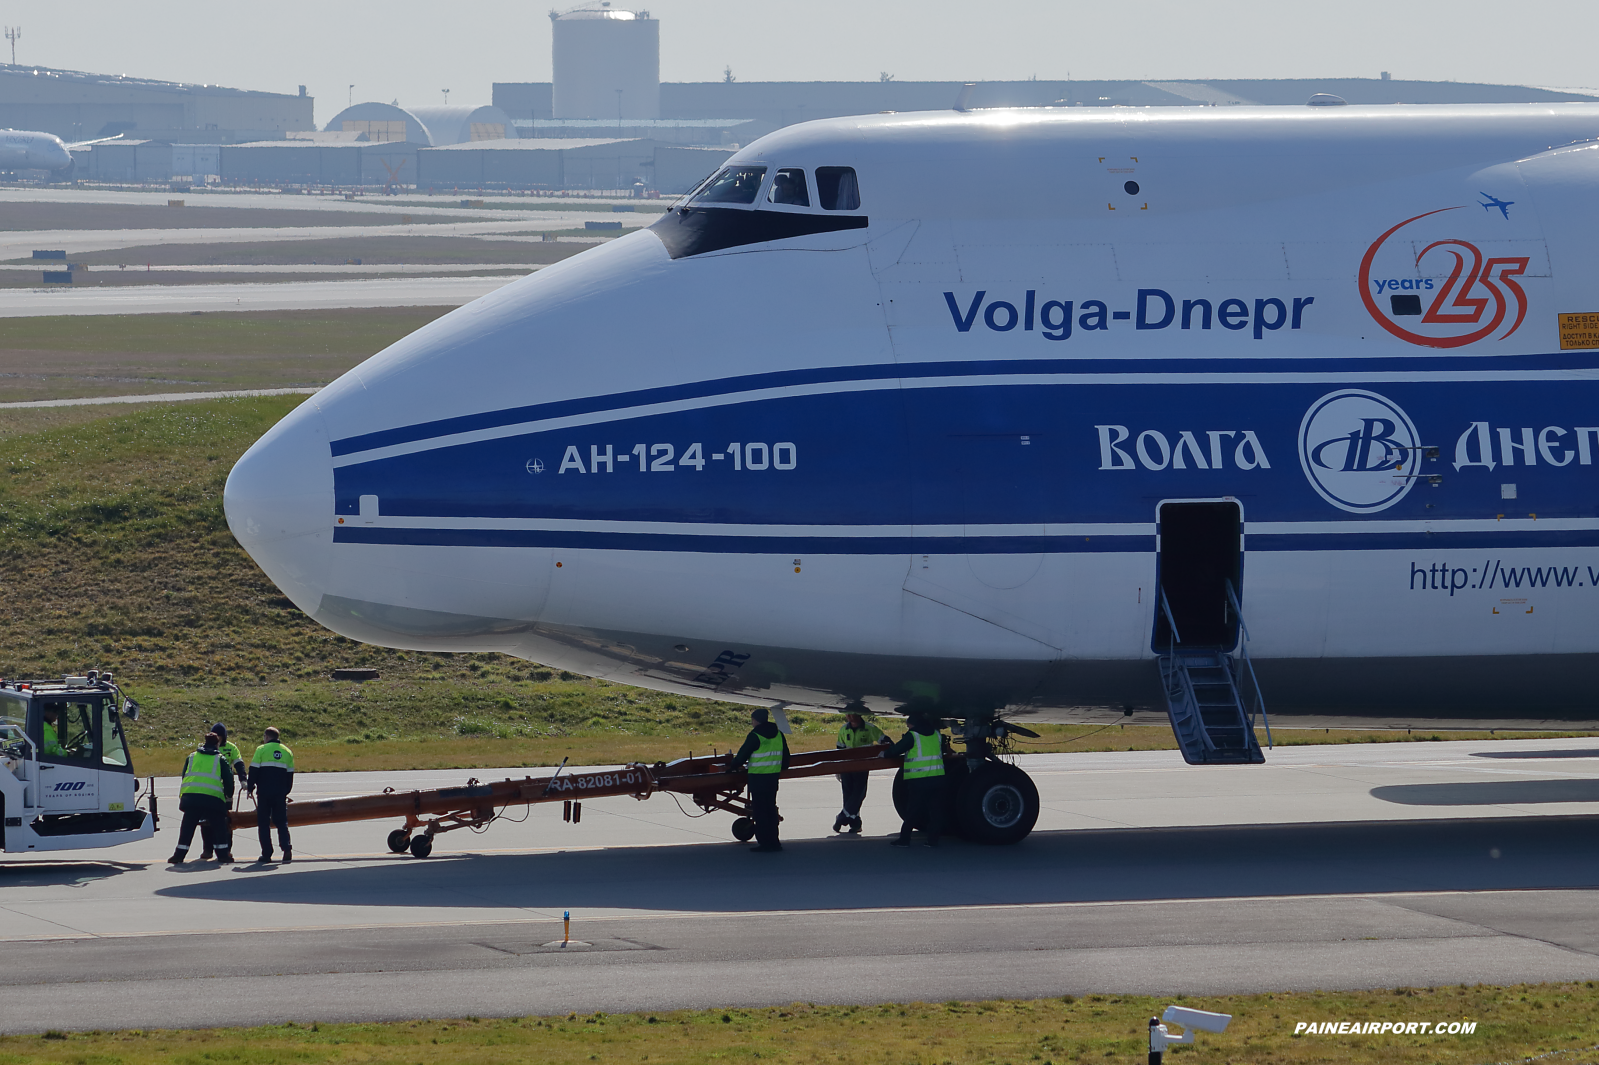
{"points": [[855, 732], [923, 748], [230, 754], [204, 798], [271, 780], [52, 733], [765, 751]]}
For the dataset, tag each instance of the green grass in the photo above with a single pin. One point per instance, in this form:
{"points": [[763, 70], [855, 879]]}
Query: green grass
{"points": [[359, 331], [55, 357], [1512, 1024], [372, 251], [22, 216]]}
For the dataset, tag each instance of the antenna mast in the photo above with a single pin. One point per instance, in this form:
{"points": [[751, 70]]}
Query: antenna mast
{"points": [[13, 34]]}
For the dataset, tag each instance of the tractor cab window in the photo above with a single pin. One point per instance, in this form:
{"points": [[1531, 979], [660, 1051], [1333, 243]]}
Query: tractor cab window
{"points": [[67, 729], [732, 184], [114, 745], [788, 186], [836, 188], [13, 718]]}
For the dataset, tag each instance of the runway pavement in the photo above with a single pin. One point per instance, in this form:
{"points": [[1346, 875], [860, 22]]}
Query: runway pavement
{"points": [[1341, 866], [20, 245], [274, 296]]}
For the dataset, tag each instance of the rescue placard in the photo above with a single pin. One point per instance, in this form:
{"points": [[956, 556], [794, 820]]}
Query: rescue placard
{"points": [[1579, 331]]}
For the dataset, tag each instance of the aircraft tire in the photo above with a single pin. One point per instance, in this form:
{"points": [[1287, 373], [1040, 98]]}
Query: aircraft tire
{"points": [[399, 840], [421, 846], [997, 805], [743, 829]]}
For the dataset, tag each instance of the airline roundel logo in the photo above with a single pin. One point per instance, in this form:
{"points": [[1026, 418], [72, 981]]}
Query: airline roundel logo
{"points": [[1441, 293], [1358, 450]]}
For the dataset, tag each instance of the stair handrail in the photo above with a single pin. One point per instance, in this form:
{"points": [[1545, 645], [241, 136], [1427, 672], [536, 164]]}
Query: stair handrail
{"points": [[1243, 652], [1171, 622], [1171, 671]]}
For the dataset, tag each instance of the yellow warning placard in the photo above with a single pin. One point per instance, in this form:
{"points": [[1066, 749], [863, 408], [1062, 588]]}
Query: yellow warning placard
{"points": [[1579, 330]]}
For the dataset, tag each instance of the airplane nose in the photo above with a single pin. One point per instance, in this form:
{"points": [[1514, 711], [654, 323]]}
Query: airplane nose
{"points": [[279, 503]]}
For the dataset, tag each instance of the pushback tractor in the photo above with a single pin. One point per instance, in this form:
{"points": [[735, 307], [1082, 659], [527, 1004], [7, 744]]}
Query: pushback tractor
{"points": [[68, 778]]}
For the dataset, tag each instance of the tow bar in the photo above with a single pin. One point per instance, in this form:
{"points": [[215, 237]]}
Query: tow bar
{"points": [[706, 779]]}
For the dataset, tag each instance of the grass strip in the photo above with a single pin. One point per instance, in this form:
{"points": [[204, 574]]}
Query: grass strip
{"points": [[355, 331], [372, 251], [1511, 1024], [69, 356]]}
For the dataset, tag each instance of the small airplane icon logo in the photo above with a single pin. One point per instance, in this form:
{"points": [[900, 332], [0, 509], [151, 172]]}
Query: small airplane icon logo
{"points": [[1503, 205]]}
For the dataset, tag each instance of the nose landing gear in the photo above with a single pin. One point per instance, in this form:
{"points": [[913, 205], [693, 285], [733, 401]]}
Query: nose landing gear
{"points": [[986, 800]]}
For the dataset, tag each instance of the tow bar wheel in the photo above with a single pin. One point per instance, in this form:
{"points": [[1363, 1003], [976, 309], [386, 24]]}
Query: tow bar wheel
{"points": [[421, 846], [743, 829], [399, 840]]}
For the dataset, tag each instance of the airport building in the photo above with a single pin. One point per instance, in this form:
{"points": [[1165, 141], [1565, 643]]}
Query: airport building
{"points": [[429, 126], [709, 112], [607, 63], [471, 165], [78, 106]]}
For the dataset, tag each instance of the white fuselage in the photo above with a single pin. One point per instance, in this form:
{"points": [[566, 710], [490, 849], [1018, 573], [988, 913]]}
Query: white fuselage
{"points": [[29, 150], [920, 447]]}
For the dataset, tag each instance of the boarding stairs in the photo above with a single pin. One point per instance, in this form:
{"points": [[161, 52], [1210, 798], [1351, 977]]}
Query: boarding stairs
{"points": [[1213, 697]]}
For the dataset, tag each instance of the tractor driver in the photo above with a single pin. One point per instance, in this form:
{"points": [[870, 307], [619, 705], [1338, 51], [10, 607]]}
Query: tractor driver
{"points": [[52, 731]]}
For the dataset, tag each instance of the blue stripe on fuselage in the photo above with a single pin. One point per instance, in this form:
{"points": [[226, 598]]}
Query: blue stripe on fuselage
{"points": [[845, 544], [620, 401]]}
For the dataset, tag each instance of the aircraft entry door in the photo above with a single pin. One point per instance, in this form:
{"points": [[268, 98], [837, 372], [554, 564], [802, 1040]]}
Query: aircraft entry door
{"points": [[1201, 548]]}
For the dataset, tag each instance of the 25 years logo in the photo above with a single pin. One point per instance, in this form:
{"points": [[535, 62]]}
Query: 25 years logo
{"points": [[1444, 296], [1358, 450]]}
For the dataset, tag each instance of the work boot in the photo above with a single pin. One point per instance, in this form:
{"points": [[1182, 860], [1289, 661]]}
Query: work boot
{"points": [[177, 859], [855, 826], [205, 855], [840, 821], [288, 855], [267, 857]]}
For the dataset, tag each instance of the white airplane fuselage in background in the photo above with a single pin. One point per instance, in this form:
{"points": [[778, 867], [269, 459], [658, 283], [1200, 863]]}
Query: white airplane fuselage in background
{"points": [[919, 448], [22, 149]]}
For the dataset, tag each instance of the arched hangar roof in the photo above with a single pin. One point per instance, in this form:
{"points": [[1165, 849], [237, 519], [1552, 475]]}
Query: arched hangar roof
{"points": [[433, 126]]}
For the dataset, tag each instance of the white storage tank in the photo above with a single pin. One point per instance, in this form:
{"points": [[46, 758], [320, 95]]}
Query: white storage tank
{"points": [[607, 63]]}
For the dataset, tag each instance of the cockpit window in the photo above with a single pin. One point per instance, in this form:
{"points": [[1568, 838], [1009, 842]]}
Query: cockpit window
{"points": [[836, 188], [734, 184], [789, 187]]}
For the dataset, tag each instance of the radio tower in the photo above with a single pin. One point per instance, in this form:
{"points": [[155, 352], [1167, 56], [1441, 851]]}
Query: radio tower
{"points": [[13, 34]]}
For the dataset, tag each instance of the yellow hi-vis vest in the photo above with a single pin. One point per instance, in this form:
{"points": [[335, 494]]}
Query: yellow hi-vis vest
{"points": [[768, 757], [864, 736], [273, 753], [926, 756], [204, 775]]}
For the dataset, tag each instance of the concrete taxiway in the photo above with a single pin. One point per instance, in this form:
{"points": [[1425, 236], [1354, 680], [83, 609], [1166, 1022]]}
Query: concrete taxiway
{"points": [[1331, 866], [275, 296]]}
